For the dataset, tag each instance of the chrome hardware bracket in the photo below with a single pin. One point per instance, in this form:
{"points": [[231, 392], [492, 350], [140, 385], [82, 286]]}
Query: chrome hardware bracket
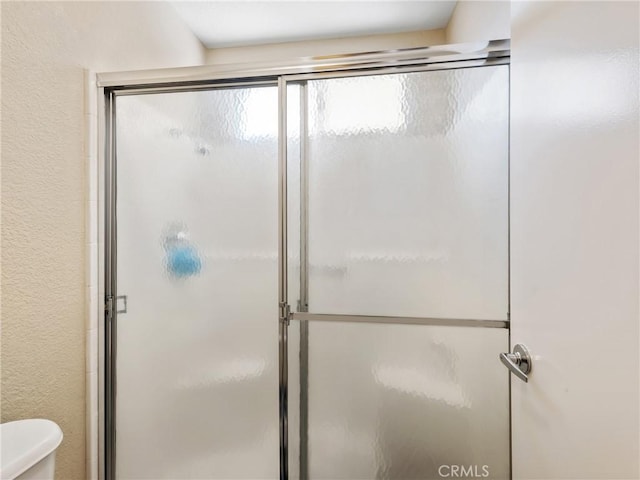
{"points": [[108, 306], [285, 313], [111, 305], [518, 362]]}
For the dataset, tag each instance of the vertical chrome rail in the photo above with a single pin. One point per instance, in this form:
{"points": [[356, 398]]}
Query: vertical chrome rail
{"points": [[283, 320], [509, 269], [110, 288], [303, 304]]}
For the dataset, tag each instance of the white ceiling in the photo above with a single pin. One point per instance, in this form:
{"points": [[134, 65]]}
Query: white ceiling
{"points": [[235, 23]]}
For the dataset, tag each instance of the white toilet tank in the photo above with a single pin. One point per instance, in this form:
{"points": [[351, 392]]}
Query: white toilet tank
{"points": [[28, 449]]}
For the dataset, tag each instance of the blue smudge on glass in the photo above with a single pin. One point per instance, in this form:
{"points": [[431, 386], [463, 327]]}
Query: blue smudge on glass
{"points": [[182, 258], [183, 261]]}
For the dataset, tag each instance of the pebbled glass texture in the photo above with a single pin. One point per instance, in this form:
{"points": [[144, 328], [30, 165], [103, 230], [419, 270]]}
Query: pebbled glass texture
{"points": [[294, 198], [197, 372], [408, 194], [407, 216], [400, 402]]}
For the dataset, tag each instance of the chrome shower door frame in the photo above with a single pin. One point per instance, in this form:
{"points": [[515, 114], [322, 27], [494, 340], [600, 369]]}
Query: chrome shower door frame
{"points": [[112, 85]]}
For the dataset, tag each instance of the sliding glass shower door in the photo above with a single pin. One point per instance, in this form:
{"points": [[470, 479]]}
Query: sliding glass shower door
{"points": [[311, 267], [197, 345], [398, 221]]}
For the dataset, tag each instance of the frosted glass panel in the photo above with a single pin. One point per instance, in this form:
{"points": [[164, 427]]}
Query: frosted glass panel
{"points": [[405, 401], [408, 185], [197, 384], [294, 198]]}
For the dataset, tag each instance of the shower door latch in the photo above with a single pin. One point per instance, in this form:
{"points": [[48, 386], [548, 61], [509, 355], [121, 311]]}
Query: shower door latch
{"points": [[115, 305], [285, 313], [108, 306], [519, 362]]}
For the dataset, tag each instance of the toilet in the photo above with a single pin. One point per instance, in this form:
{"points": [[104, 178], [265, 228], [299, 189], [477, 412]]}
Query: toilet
{"points": [[28, 449]]}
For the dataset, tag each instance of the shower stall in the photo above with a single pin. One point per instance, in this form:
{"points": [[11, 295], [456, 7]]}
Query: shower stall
{"points": [[307, 268]]}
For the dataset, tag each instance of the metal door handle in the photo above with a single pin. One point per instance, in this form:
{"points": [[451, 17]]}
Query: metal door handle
{"points": [[519, 362]]}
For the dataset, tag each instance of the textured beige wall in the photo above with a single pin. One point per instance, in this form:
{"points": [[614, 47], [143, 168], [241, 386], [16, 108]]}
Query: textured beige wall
{"points": [[310, 48], [474, 20], [45, 47], [575, 238]]}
